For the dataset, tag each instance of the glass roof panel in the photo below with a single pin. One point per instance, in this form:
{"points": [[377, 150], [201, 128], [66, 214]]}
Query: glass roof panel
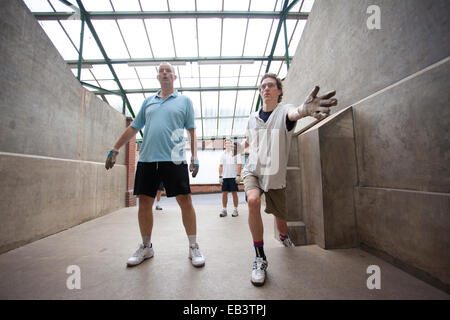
{"points": [[209, 31], [135, 38], [227, 100], [296, 37], [209, 103], [209, 5], [185, 42], [108, 84], [115, 101], [258, 30], [267, 5], [307, 5], [59, 6], [129, 5], [209, 127], [160, 37], [110, 38], [229, 75], [225, 127], [209, 75], [181, 5], [96, 5], [184, 32], [236, 5], [154, 5], [233, 36], [85, 74], [195, 97], [239, 126], [59, 39], [198, 130], [244, 102], [101, 72], [38, 6]]}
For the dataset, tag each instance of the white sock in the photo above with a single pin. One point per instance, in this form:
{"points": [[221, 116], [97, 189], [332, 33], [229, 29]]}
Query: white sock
{"points": [[146, 240], [192, 239]]}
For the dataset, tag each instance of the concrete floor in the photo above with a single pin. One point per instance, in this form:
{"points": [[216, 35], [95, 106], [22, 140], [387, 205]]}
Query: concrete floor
{"points": [[102, 246]]}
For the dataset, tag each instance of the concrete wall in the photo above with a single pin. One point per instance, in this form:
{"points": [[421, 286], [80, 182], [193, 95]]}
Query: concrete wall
{"points": [[54, 136], [396, 82]]}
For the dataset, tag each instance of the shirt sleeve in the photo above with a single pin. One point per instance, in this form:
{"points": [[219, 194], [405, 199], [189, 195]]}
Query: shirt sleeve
{"points": [[189, 122]]}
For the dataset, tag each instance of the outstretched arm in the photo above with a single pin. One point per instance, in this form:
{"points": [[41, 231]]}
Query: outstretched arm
{"points": [[314, 106]]}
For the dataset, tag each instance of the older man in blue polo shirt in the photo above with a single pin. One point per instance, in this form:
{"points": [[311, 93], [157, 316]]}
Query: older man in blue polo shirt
{"points": [[165, 116]]}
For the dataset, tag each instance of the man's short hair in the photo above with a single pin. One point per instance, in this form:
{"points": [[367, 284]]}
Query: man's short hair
{"points": [[171, 66], [278, 80]]}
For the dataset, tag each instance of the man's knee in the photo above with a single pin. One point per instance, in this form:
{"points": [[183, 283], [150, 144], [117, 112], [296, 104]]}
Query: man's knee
{"points": [[184, 200], [253, 200], [145, 201]]}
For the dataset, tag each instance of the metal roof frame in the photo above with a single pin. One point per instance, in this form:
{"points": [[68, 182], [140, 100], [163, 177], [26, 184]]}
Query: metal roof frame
{"points": [[87, 17]]}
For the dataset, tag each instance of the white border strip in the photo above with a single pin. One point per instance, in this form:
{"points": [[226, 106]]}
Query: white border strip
{"points": [[51, 158]]}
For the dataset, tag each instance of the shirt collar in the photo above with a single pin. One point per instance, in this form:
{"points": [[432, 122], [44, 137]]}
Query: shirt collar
{"points": [[174, 94]]}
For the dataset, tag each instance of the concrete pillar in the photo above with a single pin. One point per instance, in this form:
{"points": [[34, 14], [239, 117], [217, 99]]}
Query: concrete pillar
{"points": [[329, 174]]}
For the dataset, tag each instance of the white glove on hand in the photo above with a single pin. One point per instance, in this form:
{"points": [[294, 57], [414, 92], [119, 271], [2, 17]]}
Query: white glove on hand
{"points": [[317, 107], [238, 179], [111, 159], [220, 180], [194, 167]]}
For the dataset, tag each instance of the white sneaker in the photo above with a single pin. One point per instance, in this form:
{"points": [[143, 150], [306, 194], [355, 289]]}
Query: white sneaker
{"points": [[259, 271], [235, 213], [196, 256], [223, 213], [287, 242], [140, 255]]}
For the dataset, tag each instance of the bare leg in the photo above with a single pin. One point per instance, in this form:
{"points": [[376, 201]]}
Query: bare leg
{"points": [[145, 214], [224, 199], [254, 217], [158, 195], [235, 198], [281, 225], [188, 213]]}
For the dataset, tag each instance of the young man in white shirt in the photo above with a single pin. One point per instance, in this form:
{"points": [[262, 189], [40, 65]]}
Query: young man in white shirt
{"points": [[229, 176], [269, 133]]}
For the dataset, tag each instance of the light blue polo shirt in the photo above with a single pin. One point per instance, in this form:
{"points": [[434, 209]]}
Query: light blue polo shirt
{"points": [[164, 123]]}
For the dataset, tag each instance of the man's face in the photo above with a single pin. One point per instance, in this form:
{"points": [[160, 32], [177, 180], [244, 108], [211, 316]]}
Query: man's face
{"points": [[166, 74], [269, 90]]}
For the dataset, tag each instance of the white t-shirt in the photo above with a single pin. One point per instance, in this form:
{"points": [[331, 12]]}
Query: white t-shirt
{"points": [[230, 164], [269, 148]]}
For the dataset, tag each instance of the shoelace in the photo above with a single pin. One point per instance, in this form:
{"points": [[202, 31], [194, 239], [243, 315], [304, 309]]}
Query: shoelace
{"points": [[139, 251], [259, 265], [196, 252]]}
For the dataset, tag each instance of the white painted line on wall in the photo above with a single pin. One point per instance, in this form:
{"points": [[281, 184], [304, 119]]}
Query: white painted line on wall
{"points": [[430, 67], [11, 154]]}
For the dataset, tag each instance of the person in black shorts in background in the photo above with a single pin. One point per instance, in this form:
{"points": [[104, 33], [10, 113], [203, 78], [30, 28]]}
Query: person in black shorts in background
{"points": [[158, 196], [229, 176]]}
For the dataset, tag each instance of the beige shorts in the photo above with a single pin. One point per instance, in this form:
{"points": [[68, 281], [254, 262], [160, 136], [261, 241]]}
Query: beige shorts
{"points": [[275, 198]]}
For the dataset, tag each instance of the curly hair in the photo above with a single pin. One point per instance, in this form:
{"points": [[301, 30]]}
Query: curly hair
{"points": [[278, 80]]}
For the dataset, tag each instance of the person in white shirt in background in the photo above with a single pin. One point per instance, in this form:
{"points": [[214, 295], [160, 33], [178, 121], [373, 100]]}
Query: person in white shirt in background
{"points": [[229, 176]]}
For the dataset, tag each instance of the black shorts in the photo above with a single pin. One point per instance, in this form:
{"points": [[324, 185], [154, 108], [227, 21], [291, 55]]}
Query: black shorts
{"points": [[229, 184], [149, 176]]}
